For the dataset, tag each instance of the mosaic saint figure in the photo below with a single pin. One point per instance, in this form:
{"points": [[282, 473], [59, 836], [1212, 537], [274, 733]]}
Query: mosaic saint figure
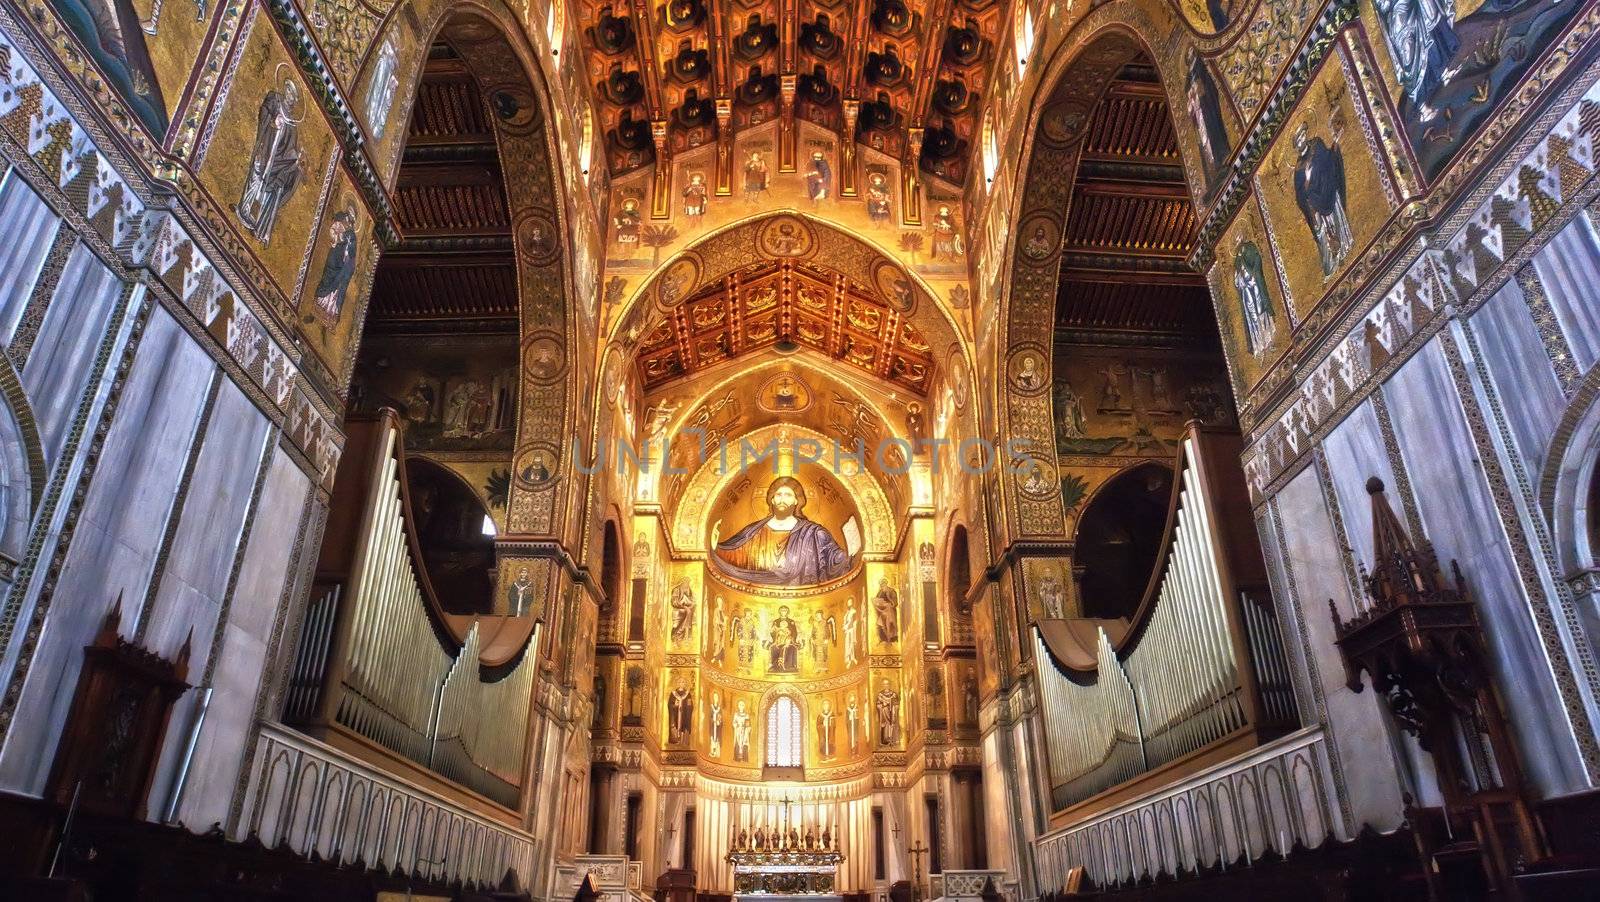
{"points": [[694, 196], [823, 636], [626, 222], [825, 719], [850, 623], [1050, 594], [339, 268], [1206, 110], [783, 647], [719, 631], [1422, 41], [819, 181], [755, 177], [946, 237], [1319, 189], [380, 90], [741, 731], [888, 716], [886, 605], [714, 726], [519, 595], [276, 164], [878, 199], [682, 611], [852, 719], [680, 714], [785, 548], [1249, 280]]}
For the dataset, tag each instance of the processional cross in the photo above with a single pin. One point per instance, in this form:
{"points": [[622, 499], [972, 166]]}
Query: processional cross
{"points": [[917, 850]]}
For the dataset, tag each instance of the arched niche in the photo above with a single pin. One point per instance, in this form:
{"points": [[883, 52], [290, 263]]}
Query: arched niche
{"points": [[493, 48], [1076, 79], [1117, 540]]}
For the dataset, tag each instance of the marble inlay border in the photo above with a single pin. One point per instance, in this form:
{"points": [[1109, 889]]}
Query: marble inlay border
{"points": [[44, 289], [1544, 609], [1546, 324], [11, 606]]}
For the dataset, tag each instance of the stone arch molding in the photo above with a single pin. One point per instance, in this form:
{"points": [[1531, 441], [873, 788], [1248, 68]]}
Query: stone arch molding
{"points": [[691, 524], [1570, 467], [491, 39], [1075, 79]]}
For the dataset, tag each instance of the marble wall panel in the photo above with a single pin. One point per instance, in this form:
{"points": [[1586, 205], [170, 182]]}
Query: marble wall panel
{"points": [[1569, 268], [242, 661], [119, 532], [69, 338], [1458, 513], [29, 226], [1520, 367], [195, 581], [1371, 783], [1355, 453]]}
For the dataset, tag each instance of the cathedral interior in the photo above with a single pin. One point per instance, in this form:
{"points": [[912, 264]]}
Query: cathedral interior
{"points": [[799, 450]]}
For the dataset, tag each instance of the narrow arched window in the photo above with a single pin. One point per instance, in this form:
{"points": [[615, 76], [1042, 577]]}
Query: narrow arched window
{"points": [[784, 736]]}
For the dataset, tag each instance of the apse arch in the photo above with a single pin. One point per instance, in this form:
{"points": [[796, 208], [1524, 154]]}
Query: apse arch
{"points": [[494, 50], [1058, 124]]}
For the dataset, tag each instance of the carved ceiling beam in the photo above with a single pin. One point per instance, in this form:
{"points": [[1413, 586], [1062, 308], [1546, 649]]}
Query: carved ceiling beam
{"points": [[788, 138], [661, 181], [911, 180], [936, 20], [847, 150], [644, 28], [855, 64], [1120, 188], [644, 47], [722, 91]]}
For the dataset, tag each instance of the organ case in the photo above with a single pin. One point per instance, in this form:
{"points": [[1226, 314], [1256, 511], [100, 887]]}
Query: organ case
{"points": [[1196, 675]]}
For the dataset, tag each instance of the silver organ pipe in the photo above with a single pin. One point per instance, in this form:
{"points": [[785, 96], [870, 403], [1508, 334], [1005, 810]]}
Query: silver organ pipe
{"points": [[1201, 663], [395, 662], [1094, 743], [1185, 662], [386, 667]]}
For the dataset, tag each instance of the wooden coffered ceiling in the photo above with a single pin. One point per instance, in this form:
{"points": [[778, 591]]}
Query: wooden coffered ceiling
{"points": [[786, 304], [671, 75], [455, 259], [1131, 225]]}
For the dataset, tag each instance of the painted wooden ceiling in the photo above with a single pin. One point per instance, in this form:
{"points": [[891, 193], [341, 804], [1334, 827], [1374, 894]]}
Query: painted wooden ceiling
{"points": [[455, 259], [1131, 225], [787, 304], [904, 76]]}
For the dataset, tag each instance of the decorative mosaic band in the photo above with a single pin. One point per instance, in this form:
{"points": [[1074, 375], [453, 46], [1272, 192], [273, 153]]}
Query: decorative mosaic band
{"points": [[83, 182]]}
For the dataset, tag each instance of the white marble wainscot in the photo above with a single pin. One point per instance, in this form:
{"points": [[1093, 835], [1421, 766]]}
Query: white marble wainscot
{"points": [[617, 878], [966, 885], [117, 539], [1355, 452], [1460, 517], [61, 362], [313, 798], [1367, 783], [235, 672], [30, 227], [1519, 365], [1264, 801], [1569, 269]]}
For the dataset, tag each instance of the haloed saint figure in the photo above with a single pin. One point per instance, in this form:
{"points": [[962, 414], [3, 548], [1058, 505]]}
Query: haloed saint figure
{"points": [[785, 548]]}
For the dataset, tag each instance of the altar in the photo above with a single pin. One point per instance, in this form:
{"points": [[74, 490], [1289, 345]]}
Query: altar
{"points": [[779, 867]]}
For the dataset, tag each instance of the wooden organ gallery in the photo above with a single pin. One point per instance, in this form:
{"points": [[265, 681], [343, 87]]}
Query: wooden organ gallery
{"points": [[799, 451]]}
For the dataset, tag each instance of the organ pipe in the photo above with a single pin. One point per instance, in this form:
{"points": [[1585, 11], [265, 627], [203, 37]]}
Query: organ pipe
{"points": [[375, 658], [1200, 665]]}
